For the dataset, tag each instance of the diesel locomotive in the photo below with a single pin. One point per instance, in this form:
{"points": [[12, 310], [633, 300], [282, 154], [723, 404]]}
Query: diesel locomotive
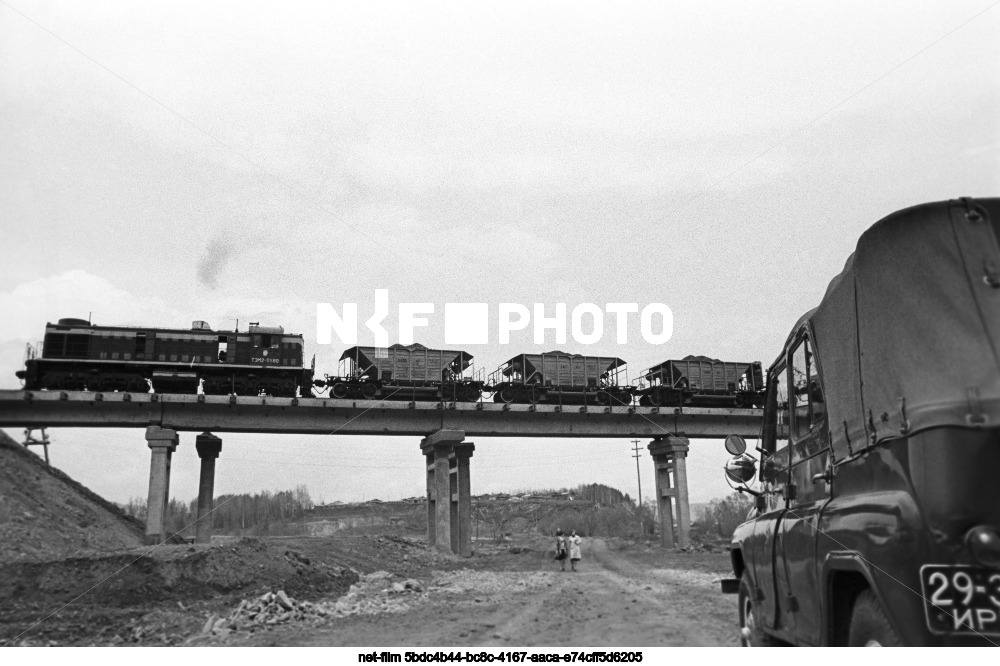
{"points": [[78, 355]]}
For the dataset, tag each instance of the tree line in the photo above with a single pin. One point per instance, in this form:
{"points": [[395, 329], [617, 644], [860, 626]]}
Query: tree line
{"points": [[242, 514]]}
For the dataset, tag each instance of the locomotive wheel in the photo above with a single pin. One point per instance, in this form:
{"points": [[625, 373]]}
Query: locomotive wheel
{"points": [[368, 391], [339, 390]]}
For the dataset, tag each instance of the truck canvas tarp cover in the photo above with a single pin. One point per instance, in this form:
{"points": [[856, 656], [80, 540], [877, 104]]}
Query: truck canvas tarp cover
{"points": [[907, 334]]}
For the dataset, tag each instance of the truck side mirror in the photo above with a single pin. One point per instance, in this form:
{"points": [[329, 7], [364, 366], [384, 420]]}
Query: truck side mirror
{"points": [[741, 469], [736, 445]]}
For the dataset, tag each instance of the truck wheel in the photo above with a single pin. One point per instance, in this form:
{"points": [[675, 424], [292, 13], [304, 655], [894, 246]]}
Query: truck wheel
{"points": [[869, 625], [751, 634]]}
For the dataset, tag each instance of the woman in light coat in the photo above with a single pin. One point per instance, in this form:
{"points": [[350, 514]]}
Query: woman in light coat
{"points": [[574, 550]]}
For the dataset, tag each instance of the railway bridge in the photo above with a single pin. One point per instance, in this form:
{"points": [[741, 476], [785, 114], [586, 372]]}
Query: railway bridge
{"points": [[442, 426]]}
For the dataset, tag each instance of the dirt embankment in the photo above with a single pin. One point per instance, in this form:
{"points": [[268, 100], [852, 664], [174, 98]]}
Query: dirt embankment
{"points": [[45, 515]]}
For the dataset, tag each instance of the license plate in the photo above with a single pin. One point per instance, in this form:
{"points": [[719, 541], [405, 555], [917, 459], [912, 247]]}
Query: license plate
{"points": [[961, 600]]}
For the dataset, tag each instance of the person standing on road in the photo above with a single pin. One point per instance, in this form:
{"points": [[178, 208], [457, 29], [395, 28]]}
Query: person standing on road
{"points": [[561, 553], [574, 550]]}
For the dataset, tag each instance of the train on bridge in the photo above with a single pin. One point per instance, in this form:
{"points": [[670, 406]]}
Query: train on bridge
{"points": [[78, 355]]}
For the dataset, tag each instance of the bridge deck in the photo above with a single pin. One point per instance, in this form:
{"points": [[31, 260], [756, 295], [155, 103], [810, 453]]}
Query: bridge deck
{"points": [[319, 416]]}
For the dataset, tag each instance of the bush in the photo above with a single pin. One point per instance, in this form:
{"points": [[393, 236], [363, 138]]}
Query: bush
{"points": [[722, 516]]}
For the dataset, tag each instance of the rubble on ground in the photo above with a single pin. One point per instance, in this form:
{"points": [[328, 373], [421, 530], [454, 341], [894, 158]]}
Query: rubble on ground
{"points": [[372, 594], [488, 582]]}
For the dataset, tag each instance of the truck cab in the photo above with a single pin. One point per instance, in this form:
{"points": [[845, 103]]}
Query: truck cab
{"points": [[877, 515]]}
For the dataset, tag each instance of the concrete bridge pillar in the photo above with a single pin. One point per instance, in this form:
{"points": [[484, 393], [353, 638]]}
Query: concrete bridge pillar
{"points": [[449, 498], [669, 459], [461, 500], [162, 442], [209, 446]]}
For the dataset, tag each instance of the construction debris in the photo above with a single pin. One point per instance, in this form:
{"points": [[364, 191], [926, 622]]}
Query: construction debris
{"points": [[372, 594]]}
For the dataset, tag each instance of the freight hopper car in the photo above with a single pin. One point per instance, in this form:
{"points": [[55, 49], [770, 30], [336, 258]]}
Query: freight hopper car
{"points": [[561, 378], [404, 372], [702, 382], [78, 355]]}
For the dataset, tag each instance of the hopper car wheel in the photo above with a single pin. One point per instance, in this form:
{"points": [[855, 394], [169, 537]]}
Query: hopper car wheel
{"points": [[472, 394], [507, 394], [368, 391], [655, 398], [338, 390]]}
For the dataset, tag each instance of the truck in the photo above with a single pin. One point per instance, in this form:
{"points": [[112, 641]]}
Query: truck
{"points": [[877, 507]]}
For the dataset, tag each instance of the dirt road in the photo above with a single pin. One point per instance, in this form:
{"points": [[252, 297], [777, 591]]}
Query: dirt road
{"points": [[619, 597]]}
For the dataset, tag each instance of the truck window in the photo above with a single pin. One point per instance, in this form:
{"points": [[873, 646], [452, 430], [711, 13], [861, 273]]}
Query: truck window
{"points": [[807, 395], [781, 433]]}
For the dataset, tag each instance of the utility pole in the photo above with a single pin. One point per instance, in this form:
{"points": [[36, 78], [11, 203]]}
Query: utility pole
{"points": [[638, 477]]}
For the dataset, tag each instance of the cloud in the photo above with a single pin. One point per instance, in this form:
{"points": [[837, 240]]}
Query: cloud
{"points": [[210, 266], [77, 293], [29, 306]]}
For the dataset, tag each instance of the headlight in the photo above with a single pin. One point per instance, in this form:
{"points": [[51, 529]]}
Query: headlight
{"points": [[983, 542]]}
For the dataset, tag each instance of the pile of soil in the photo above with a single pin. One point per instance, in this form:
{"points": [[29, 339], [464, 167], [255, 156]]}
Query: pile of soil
{"points": [[178, 573], [154, 595], [45, 515], [407, 556]]}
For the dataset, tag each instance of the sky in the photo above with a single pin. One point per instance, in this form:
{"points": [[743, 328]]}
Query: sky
{"points": [[168, 162]]}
